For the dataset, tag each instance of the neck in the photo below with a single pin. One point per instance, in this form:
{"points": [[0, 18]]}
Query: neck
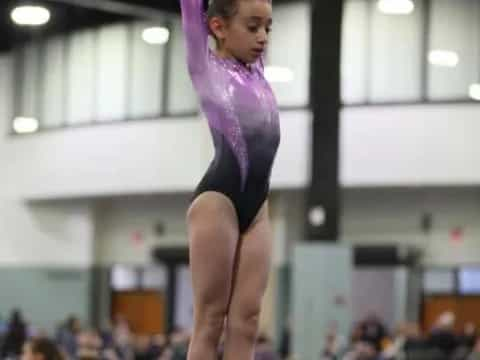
{"points": [[224, 54]]}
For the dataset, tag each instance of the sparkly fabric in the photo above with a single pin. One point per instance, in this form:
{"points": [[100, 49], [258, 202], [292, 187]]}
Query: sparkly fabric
{"points": [[236, 99]]}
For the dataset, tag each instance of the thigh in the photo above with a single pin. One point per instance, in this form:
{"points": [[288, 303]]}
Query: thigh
{"points": [[252, 267], [213, 237]]}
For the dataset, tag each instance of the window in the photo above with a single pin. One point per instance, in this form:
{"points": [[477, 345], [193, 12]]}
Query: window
{"points": [[146, 73], [396, 56], [111, 74], [53, 61], [81, 73], [355, 51], [454, 28]]}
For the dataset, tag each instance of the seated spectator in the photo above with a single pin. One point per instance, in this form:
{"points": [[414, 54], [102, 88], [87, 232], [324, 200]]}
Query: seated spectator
{"points": [[143, 348], [468, 336], [123, 337], [41, 349], [89, 345], [363, 351], [414, 339], [442, 336], [373, 331], [475, 354], [179, 341], [159, 344], [15, 336], [67, 335]]}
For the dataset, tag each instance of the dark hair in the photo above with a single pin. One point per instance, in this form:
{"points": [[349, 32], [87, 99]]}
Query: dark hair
{"points": [[222, 8], [47, 348]]}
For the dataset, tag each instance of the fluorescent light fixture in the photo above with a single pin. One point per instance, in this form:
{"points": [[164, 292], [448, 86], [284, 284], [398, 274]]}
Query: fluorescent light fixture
{"points": [[30, 15], [474, 91], [443, 58], [278, 74], [396, 7], [25, 125], [156, 35]]}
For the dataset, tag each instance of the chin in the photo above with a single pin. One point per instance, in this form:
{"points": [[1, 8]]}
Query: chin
{"points": [[252, 59]]}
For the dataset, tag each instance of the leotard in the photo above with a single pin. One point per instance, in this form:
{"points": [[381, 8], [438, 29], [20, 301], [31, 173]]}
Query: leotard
{"points": [[242, 115]]}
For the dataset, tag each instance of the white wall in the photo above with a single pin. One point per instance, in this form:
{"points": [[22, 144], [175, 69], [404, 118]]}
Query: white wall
{"points": [[380, 146], [58, 234], [117, 220], [392, 216], [410, 145], [142, 157]]}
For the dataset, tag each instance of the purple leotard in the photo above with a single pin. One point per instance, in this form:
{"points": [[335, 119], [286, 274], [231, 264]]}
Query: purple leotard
{"points": [[242, 115]]}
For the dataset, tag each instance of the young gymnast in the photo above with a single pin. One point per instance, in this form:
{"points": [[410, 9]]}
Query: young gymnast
{"points": [[230, 235]]}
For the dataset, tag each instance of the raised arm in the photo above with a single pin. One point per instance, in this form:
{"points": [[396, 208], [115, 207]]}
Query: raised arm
{"points": [[196, 36]]}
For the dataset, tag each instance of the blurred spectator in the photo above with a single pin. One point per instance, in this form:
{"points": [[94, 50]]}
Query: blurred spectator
{"points": [[89, 345], [143, 348], [179, 341], [363, 351], [468, 336], [414, 339], [15, 336], [67, 335], [442, 336], [335, 344], [159, 344], [41, 349], [466, 342], [373, 331], [123, 337], [396, 346], [475, 354]]}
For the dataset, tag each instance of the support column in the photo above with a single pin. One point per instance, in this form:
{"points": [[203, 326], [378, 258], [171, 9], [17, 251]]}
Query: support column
{"points": [[322, 212]]}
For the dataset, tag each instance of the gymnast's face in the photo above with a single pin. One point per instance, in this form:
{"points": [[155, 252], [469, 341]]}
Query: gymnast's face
{"points": [[244, 35]]}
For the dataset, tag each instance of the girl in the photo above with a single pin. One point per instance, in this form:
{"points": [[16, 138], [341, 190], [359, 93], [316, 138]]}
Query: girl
{"points": [[41, 349], [230, 235]]}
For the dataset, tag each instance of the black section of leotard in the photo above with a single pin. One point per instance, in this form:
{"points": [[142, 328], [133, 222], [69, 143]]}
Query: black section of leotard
{"points": [[223, 176]]}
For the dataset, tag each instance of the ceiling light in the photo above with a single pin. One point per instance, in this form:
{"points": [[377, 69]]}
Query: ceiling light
{"points": [[396, 7], [443, 58], [156, 35], [24, 125], [474, 91], [30, 15], [278, 74]]}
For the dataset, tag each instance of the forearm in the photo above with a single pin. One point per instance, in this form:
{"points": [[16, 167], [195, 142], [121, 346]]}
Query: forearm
{"points": [[196, 34]]}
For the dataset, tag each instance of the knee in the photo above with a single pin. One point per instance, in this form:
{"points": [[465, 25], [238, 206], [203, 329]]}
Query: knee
{"points": [[244, 323], [210, 323]]}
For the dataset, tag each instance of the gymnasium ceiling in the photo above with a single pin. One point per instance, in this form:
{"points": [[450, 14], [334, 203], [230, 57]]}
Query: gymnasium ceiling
{"points": [[68, 15]]}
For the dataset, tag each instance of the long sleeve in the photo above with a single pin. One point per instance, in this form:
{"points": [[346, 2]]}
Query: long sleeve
{"points": [[196, 37]]}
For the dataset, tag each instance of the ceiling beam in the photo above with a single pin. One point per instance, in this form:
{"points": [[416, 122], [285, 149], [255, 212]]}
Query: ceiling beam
{"points": [[121, 8]]}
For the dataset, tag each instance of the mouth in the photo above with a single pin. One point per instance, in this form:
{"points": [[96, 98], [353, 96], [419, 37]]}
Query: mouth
{"points": [[258, 51]]}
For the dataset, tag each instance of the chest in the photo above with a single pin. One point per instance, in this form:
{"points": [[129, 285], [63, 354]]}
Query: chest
{"points": [[247, 95]]}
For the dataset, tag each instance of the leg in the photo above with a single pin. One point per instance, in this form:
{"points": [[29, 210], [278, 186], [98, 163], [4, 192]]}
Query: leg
{"points": [[251, 277], [213, 237]]}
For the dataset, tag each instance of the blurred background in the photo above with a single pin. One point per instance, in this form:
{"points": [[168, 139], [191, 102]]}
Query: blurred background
{"points": [[375, 200]]}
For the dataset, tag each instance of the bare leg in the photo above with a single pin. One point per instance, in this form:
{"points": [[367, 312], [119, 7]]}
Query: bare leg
{"points": [[213, 237], [251, 277]]}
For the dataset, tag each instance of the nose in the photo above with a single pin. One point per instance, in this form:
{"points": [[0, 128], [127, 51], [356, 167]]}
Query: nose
{"points": [[262, 38]]}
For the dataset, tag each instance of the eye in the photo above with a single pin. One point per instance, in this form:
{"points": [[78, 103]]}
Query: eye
{"points": [[268, 29], [253, 29]]}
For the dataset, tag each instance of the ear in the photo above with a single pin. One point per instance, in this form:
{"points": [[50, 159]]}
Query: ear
{"points": [[218, 27]]}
